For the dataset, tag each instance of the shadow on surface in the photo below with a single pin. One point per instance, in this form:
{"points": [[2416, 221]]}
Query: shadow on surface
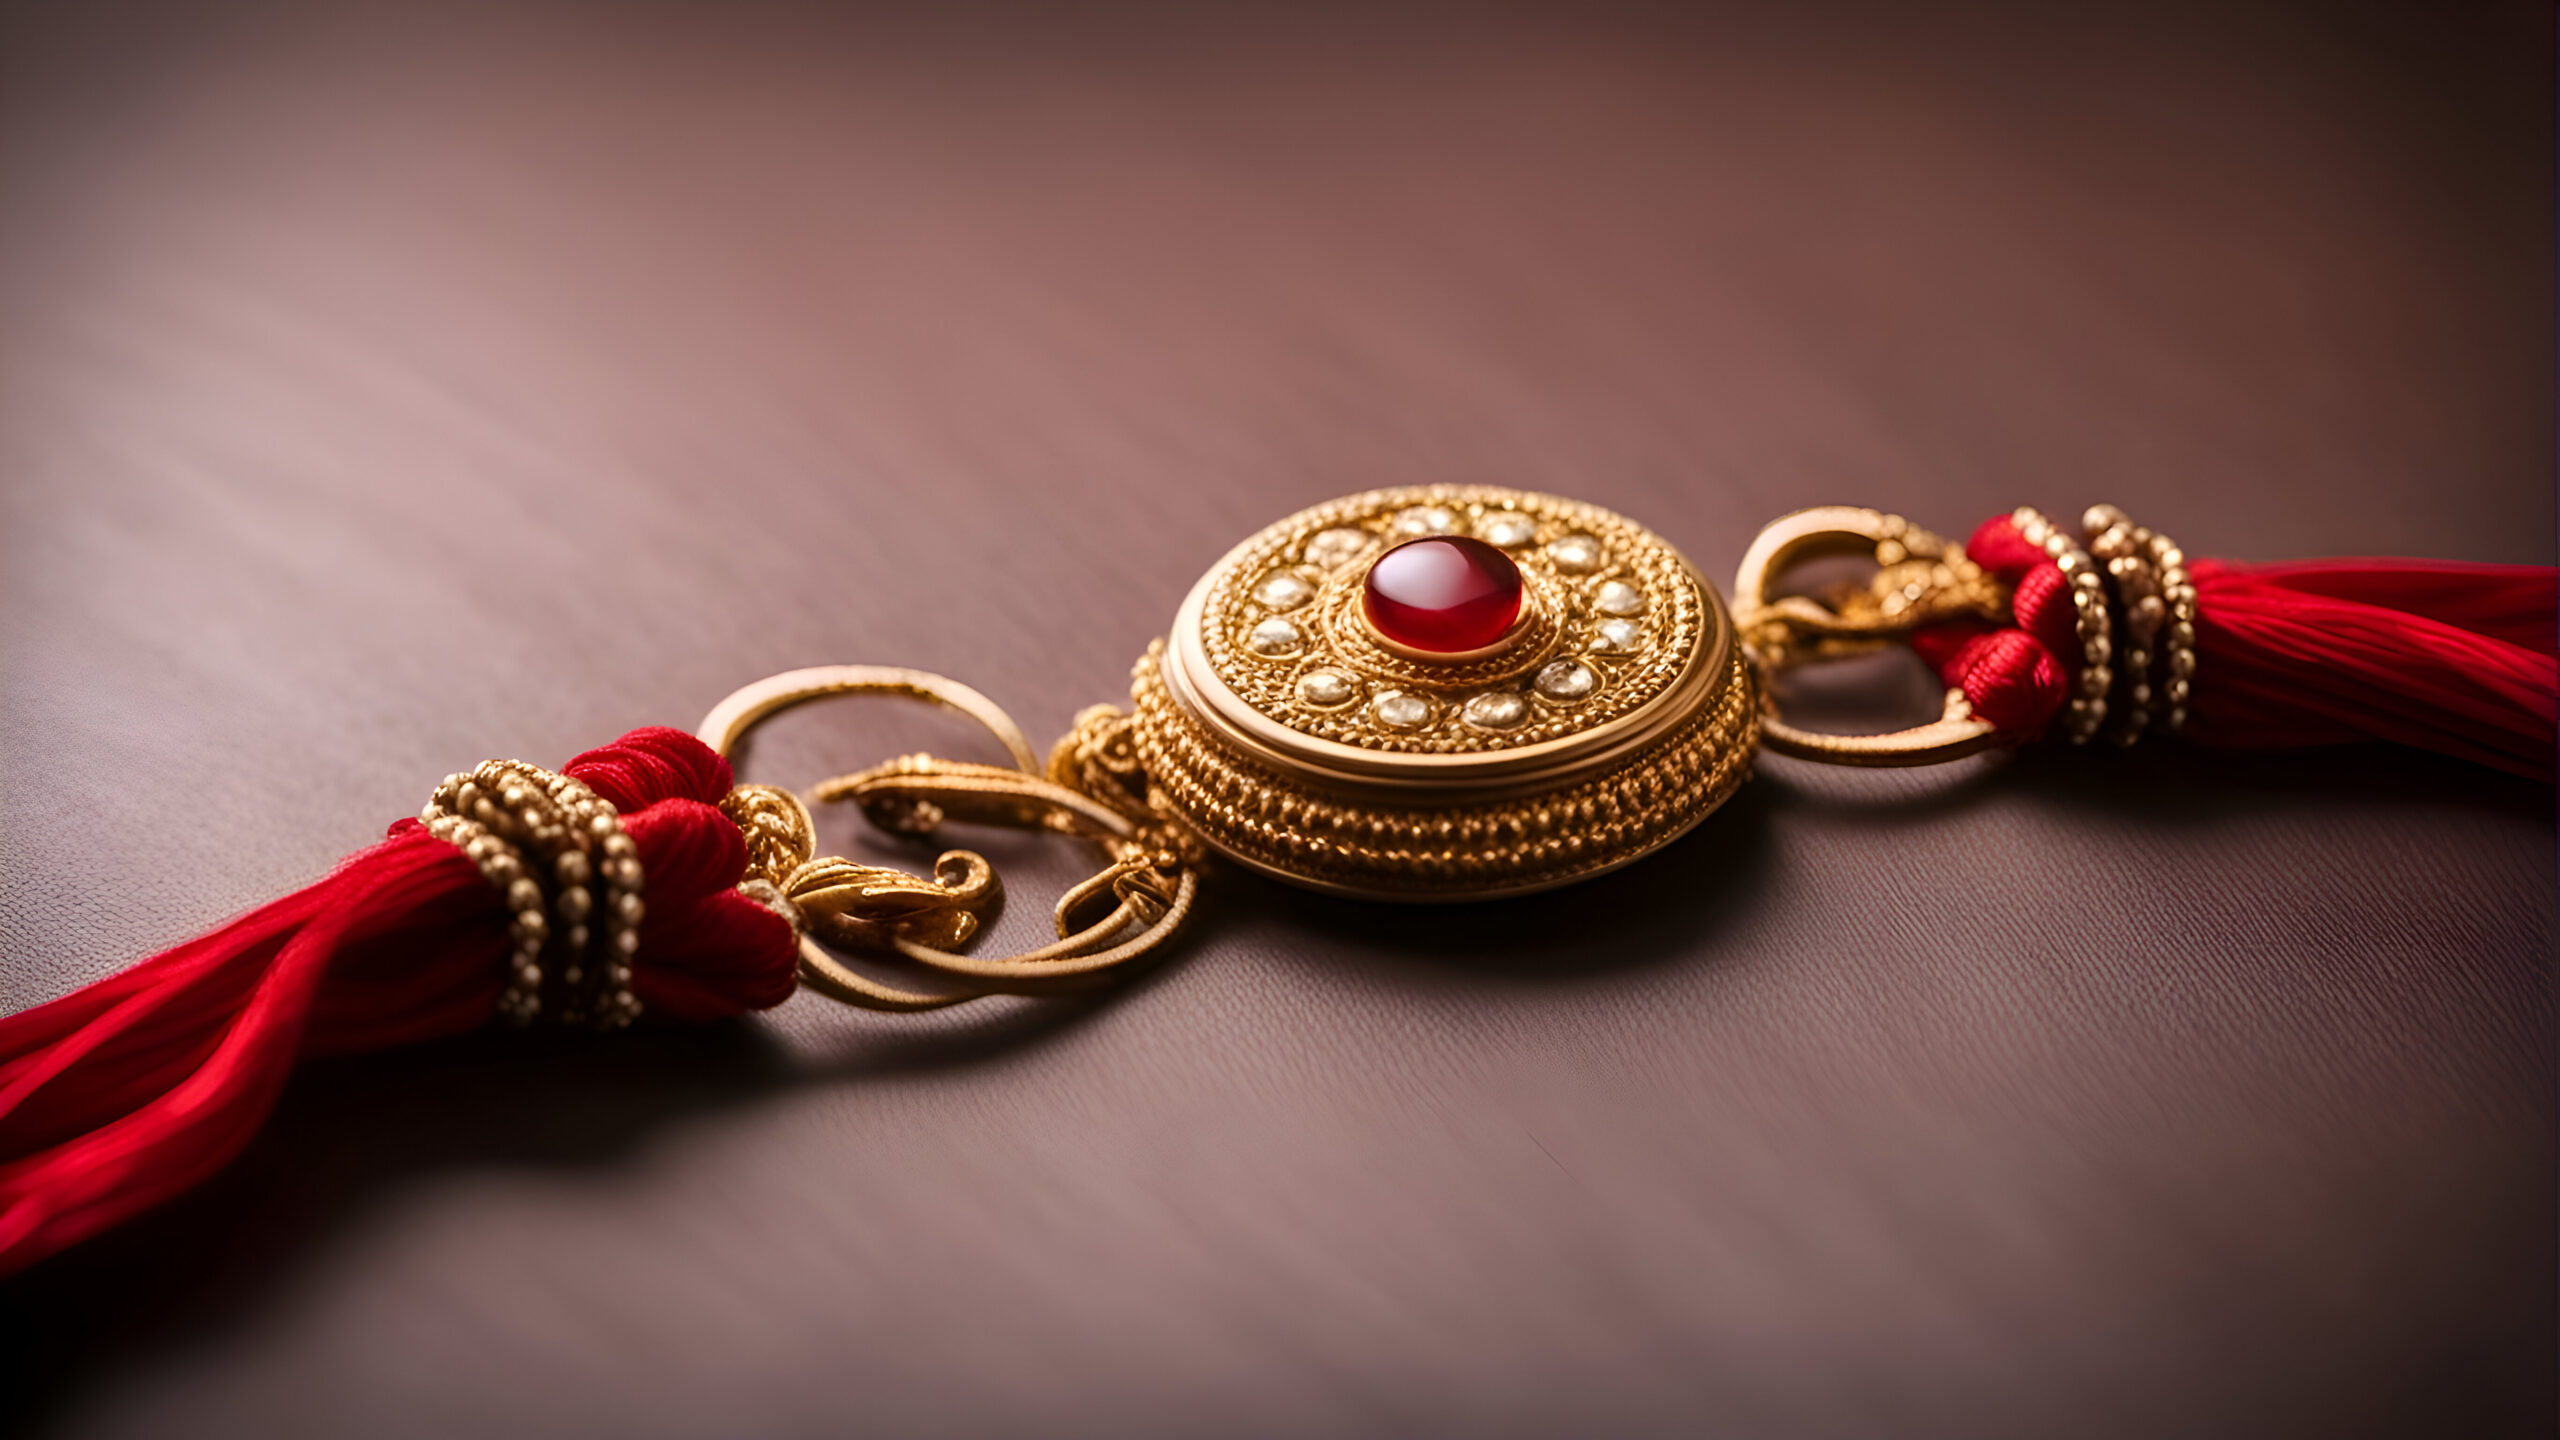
{"points": [[2161, 785], [2179, 783], [350, 1133]]}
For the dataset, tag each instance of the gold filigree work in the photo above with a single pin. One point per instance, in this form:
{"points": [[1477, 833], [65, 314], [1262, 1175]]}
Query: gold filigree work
{"points": [[1571, 557], [1125, 913]]}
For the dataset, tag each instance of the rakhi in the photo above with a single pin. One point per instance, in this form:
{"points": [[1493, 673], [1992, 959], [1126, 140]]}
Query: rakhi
{"points": [[1427, 694]]}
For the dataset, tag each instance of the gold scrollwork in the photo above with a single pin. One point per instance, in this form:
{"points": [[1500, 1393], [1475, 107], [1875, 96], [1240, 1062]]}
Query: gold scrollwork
{"points": [[1150, 882], [1920, 580]]}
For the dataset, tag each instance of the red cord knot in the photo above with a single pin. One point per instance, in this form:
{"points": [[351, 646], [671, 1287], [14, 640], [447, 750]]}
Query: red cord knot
{"points": [[2045, 610], [706, 950], [2017, 678], [1998, 547], [2007, 675]]}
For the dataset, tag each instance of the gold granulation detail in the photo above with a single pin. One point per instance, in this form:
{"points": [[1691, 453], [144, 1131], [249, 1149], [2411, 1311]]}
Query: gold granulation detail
{"points": [[1563, 622], [1452, 849]]}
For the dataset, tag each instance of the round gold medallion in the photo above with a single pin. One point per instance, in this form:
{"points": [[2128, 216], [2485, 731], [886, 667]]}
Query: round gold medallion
{"points": [[1551, 692]]}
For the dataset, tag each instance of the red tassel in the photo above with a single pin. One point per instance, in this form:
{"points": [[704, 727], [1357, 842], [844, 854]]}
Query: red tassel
{"points": [[2364, 649], [123, 1094], [2450, 657]]}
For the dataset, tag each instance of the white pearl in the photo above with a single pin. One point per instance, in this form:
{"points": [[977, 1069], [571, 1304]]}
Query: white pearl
{"points": [[1274, 637], [1615, 636], [1326, 689], [1399, 710], [1426, 520], [1617, 597], [1281, 590], [1335, 548], [1575, 554], [1566, 680]]}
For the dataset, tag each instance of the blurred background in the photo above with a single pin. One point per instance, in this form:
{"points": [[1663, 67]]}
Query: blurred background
{"points": [[384, 387]]}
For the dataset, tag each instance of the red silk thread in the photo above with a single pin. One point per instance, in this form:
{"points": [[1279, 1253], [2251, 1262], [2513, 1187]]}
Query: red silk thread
{"points": [[124, 1094]]}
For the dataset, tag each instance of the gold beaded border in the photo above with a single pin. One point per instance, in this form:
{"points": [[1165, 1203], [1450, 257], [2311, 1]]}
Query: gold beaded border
{"points": [[1453, 851], [2156, 601], [2088, 708]]}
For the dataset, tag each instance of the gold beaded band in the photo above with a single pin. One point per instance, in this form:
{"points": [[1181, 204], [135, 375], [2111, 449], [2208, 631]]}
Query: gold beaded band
{"points": [[2135, 582], [1451, 845], [2089, 600], [2178, 651], [2157, 598], [556, 850]]}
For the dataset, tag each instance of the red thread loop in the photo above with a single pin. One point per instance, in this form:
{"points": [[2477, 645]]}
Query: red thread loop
{"points": [[1997, 546], [2007, 677], [2044, 610]]}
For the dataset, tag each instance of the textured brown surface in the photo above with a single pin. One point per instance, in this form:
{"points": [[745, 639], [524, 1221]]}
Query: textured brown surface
{"points": [[381, 390]]}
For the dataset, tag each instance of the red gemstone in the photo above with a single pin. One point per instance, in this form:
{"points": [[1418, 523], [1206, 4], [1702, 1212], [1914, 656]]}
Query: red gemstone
{"points": [[1443, 595]]}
